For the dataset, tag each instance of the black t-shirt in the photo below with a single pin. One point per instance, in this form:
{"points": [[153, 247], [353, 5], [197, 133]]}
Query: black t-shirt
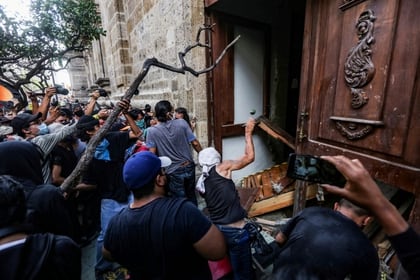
{"points": [[105, 169], [40, 257], [156, 240], [329, 244], [222, 199], [64, 157], [407, 247]]}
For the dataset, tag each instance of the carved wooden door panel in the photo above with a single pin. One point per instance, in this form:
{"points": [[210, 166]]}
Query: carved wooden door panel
{"points": [[360, 89]]}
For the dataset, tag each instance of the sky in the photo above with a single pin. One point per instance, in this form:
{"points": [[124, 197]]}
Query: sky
{"points": [[16, 6], [21, 7]]}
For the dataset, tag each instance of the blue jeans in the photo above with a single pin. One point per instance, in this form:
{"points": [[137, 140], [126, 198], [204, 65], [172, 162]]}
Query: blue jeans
{"points": [[240, 256], [109, 208], [182, 182]]}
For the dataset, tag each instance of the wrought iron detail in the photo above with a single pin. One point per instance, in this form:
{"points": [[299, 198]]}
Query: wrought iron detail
{"points": [[358, 67], [352, 131]]}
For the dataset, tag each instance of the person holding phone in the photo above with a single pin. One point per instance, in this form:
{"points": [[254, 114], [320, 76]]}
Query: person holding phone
{"points": [[326, 244], [362, 190]]}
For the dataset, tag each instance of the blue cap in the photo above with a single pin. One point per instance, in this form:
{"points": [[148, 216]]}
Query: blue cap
{"points": [[143, 167]]}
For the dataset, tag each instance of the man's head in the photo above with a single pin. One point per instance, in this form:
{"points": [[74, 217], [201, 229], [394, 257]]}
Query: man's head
{"points": [[66, 115], [12, 201], [21, 159], [26, 125], [359, 215], [209, 157], [163, 110], [142, 169], [87, 126]]}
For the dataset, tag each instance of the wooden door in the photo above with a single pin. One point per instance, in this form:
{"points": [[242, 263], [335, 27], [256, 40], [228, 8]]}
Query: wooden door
{"points": [[360, 89]]}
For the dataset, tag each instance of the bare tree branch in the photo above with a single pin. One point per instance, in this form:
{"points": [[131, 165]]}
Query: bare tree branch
{"points": [[72, 180]]}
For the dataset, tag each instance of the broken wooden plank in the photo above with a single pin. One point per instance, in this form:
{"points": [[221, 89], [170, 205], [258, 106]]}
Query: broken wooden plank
{"points": [[278, 202], [276, 132], [247, 196]]}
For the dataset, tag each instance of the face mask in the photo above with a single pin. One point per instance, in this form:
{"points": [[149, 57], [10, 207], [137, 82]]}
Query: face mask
{"points": [[140, 123], [43, 129]]}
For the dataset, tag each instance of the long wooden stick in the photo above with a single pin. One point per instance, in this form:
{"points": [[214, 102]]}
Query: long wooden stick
{"points": [[73, 179]]}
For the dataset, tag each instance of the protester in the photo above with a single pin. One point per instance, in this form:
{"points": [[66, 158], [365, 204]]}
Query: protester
{"points": [[329, 244], [172, 138], [159, 237], [105, 174], [29, 128], [223, 202], [26, 256], [182, 113], [48, 211], [362, 190], [138, 117]]}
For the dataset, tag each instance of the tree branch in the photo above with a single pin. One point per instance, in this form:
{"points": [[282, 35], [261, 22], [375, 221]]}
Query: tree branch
{"points": [[72, 180]]}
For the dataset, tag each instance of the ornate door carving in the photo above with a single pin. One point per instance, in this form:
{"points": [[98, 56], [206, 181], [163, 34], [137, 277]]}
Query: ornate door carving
{"points": [[360, 90]]}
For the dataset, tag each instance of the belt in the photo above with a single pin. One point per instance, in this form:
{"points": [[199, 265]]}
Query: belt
{"points": [[237, 224]]}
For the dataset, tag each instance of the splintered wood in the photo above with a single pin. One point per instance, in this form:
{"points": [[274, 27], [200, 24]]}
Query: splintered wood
{"points": [[269, 190], [269, 182]]}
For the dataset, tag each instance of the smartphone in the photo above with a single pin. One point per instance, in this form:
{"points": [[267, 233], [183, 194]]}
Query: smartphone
{"points": [[314, 169]]}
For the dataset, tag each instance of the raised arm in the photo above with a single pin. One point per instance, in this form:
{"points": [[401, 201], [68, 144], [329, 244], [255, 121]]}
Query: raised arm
{"points": [[227, 166], [45, 103], [135, 131], [92, 102], [362, 190]]}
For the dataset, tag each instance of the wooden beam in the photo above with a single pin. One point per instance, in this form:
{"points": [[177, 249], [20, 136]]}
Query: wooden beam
{"points": [[276, 132], [278, 202]]}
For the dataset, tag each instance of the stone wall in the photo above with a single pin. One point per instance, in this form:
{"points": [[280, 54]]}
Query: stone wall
{"points": [[137, 30]]}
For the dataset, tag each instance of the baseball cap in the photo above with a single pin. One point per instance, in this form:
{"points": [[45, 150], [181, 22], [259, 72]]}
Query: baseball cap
{"points": [[86, 122], [4, 120], [142, 167], [23, 120]]}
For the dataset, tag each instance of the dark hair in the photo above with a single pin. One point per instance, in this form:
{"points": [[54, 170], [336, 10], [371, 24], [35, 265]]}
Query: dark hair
{"points": [[144, 190], [85, 123], [12, 201], [354, 208], [135, 112], [183, 111], [162, 108]]}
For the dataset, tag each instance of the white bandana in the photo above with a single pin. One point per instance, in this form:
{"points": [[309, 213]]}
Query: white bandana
{"points": [[207, 158]]}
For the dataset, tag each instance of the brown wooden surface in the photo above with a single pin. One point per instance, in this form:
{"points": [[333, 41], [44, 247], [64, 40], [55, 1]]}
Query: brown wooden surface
{"points": [[391, 150], [276, 132], [208, 3], [278, 202]]}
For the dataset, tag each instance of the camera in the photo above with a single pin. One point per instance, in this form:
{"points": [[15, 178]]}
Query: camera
{"points": [[7, 104], [102, 92], [61, 90], [314, 169]]}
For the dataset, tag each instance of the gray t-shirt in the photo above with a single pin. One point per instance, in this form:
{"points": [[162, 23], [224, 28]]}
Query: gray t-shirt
{"points": [[172, 139]]}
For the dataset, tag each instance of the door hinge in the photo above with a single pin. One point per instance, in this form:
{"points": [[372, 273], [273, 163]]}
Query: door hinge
{"points": [[302, 135]]}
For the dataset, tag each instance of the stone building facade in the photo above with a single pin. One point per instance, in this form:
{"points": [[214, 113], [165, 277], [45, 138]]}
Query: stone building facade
{"points": [[136, 31]]}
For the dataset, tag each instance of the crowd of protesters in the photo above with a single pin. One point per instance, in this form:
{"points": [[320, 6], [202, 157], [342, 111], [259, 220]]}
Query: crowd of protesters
{"points": [[137, 200]]}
